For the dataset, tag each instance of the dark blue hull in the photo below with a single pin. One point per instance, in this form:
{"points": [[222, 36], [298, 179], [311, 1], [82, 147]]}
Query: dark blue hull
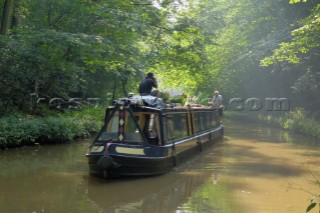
{"points": [[138, 160]]}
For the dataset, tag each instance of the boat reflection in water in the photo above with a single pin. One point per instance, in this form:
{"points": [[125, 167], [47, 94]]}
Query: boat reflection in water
{"points": [[141, 136], [160, 194]]}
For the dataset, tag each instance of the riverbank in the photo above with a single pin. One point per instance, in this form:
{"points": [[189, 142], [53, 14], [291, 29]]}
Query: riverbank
{"points": [[297, 120], [25, 130], [20, 129]]}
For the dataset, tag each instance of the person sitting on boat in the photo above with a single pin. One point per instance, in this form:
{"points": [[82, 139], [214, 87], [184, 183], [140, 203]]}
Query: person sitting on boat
{"points": [[147, 84]]}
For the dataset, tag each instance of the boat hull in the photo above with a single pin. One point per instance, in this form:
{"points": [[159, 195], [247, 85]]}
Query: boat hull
{"points": [[132, 166], [150, 160]]}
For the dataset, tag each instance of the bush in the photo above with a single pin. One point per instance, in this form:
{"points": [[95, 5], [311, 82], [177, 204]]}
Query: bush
{"points": [[299, 120], [181, 99], [17, 130]]}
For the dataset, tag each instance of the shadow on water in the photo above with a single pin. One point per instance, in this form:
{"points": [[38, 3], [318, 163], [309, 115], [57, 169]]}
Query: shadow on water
{"points": [[253, 163]]}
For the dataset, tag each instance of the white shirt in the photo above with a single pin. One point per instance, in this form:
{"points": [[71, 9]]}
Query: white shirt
{"points": [[217, 101]]}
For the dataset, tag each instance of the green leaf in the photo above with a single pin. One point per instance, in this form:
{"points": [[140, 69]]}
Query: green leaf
{"points": [[311, 206]]}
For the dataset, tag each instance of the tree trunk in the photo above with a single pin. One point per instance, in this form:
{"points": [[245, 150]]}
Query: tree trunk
{"points": [[16, 14], [6, 17]]}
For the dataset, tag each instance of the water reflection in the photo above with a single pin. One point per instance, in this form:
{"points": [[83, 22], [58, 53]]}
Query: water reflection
{"points": [[42, 179], [154, 194], [159, 194], [56, 179], [263, 165]]}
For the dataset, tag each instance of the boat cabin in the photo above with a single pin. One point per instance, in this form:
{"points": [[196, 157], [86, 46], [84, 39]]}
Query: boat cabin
{"points": [[141, 136], [130, 123]]}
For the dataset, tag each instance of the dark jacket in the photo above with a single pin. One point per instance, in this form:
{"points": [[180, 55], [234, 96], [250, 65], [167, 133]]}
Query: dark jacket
{"points": [[146, 86]]}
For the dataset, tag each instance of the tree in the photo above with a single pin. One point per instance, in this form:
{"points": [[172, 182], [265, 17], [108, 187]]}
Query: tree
{"points": [[60, 47], [5, 21], [300, 57]]}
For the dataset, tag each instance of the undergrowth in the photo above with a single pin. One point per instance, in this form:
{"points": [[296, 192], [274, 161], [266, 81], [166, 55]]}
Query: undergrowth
{"points": [[20, 129]]}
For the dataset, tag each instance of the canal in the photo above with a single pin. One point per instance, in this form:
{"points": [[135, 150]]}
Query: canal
{"points": [[256, 169]]}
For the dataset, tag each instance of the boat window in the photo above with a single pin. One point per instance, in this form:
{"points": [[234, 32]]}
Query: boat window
{"points": [[177, 126], [212, 120], [132, 133], [152, 129], [148, 123], [165, 131], [203, 121], [198, 122], [111, 130]]}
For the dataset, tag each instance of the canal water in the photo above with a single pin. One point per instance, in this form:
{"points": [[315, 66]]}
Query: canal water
{"points": [[256, 169]]}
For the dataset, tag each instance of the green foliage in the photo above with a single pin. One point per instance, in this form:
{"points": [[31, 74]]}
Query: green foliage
{"points": [[17, 130], [296, 1], [299, 121], [35, 62], [300, 54], [314, 199], [218, 45], [304, 40], [65, 49], [94, 48], [178, 99], [165, 96], [87, 48], [311, 206]]}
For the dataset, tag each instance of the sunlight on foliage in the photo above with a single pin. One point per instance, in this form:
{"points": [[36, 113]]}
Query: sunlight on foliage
{"points": [[304, 40], [297, 1]]}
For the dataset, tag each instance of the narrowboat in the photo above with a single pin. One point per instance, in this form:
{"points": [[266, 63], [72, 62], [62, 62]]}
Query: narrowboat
{"points": [[142, 136]]}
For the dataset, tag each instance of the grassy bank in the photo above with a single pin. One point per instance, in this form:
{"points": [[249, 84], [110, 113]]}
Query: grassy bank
{"points": [[297, 120], [19, 129]]}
